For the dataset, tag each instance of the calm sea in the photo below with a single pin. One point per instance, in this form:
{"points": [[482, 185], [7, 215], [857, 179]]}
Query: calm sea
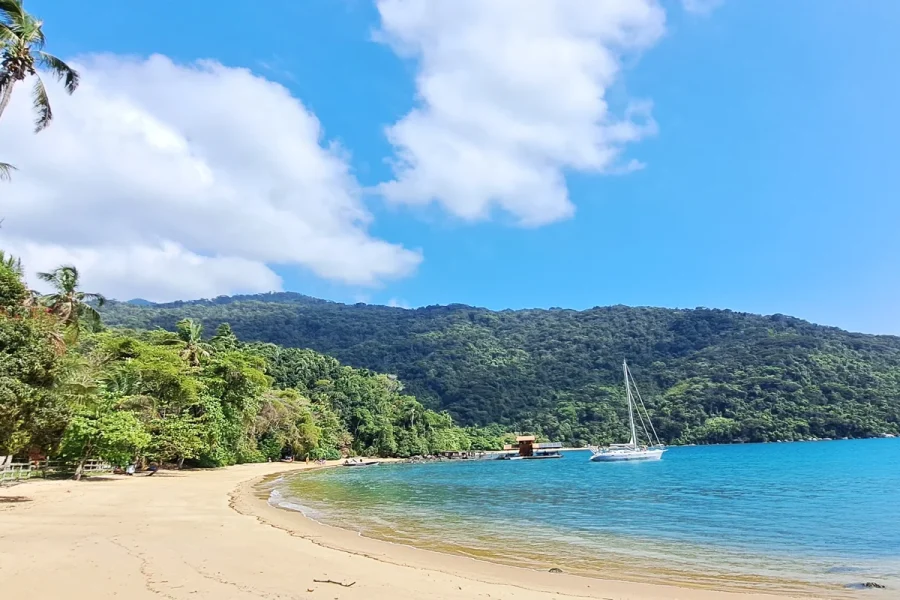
{"points": [[760, 516]]}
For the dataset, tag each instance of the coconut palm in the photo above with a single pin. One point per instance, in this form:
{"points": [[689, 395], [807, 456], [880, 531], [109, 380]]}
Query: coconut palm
{"points": [[70, 305], [22, 54], [6, 170], [190, 335]]}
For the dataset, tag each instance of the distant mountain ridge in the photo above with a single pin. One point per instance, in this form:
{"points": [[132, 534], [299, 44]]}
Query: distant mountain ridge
{"points": [[139, 302], [281, 297], [710, 375]]}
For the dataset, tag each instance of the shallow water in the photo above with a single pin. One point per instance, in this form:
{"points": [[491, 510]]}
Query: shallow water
{"points": [[759, 516]]}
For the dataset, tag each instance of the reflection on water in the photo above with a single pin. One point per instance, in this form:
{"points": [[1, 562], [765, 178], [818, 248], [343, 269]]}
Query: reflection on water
{"points": [[777, 516]]}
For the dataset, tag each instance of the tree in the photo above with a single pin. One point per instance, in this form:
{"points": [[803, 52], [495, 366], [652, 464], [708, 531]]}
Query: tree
{"points": [[224, 339], [12, 263], [177, 437], [32, 414], [22, 42], [285, 421], [6, 170], [103, 432], [70, 305], [190, 333]]}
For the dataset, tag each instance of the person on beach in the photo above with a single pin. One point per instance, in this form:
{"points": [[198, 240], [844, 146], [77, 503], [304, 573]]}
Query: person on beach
{"points": [[153, 468], [129, 470]]}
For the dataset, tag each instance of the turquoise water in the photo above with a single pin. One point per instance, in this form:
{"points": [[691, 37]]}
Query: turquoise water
{"points": [[761, 516]]}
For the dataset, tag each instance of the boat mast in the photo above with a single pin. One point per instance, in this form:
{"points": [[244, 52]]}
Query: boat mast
{"points": [[630, 402]]}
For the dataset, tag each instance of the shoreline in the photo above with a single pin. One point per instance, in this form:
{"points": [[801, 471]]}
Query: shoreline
{"points": [[255, 499], [213, 534]]}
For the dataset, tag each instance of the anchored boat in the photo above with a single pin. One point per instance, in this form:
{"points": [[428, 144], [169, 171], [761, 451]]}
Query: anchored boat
{"points": [[633, 450], [358, 462]]}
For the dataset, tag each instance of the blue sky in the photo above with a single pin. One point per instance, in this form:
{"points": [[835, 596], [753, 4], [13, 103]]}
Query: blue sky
{"points": [[769, 181]]}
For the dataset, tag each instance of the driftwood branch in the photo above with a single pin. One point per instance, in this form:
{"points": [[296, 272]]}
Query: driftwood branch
{"points": [[335, 582]]}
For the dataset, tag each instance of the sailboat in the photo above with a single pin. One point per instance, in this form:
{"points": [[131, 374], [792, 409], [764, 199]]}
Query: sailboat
{"points": [[632, 450]]}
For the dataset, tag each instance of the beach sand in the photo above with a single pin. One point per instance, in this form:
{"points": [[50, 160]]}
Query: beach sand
{"points": [[211, 534]]}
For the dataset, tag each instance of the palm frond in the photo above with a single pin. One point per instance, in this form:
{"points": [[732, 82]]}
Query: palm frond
{"points": [[61, 70], [48, 277], [28, 29], [6, 170], [49, 299], [99, 299], [92, 318], [64, 278], [12, 263], [36, 33], [12, 11], [41, 104], [68, 276], [6, 32]]}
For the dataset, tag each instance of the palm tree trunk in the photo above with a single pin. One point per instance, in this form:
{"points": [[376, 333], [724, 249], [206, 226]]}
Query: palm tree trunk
{"points": [[6, 95], [180, 461], [79, 470]]}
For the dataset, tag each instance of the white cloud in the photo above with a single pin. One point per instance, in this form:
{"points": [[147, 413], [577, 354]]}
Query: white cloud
{"points": [[166, 272], [511, 94], [168, 181], [702, 7]]}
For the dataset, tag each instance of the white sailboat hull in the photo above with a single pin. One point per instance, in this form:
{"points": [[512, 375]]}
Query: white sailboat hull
{"points": [[618, 455]]}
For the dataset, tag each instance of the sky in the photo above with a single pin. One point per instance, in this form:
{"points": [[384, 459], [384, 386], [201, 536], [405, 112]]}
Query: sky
{"points": [[501, 153]]}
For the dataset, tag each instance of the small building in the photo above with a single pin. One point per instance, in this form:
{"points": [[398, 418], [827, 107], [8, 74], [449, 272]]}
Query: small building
{"points": [[527, 447]]}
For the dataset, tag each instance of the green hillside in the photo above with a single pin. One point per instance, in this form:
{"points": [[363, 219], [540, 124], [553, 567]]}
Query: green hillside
{"points": [[707, 375]]}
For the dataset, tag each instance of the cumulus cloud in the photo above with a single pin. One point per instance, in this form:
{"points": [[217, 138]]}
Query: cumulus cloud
{"points": [[702, 7], [169, 181], [511, 95]]}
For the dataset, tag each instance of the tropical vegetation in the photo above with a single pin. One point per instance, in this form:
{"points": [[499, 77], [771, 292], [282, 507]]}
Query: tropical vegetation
{"points": [[124, 395], [707, 376]]}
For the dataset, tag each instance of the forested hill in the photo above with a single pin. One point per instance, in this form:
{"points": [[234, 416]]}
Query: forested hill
{"points": [[707, 375]]}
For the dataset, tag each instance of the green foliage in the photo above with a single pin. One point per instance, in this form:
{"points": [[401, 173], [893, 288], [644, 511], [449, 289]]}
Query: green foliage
{"points": [[360, 411], [124, 395], [557, 372], [238, 403], [12, 290], [171, 396], [177, 437], [286, 421], [74, 309], [105, 433], [30, 413]]}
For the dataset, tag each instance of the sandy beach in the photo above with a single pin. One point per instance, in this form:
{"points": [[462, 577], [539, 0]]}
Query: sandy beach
{"points": [[211, 534]]}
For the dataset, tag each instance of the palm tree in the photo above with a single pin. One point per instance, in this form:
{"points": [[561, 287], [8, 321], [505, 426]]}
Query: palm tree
{"points": [[6, 170], [69, 304], [190, 334], [12, 263], [21, 54]]}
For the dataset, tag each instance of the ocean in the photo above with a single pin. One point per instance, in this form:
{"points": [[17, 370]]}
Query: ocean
{"points": [[780, 517]]}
